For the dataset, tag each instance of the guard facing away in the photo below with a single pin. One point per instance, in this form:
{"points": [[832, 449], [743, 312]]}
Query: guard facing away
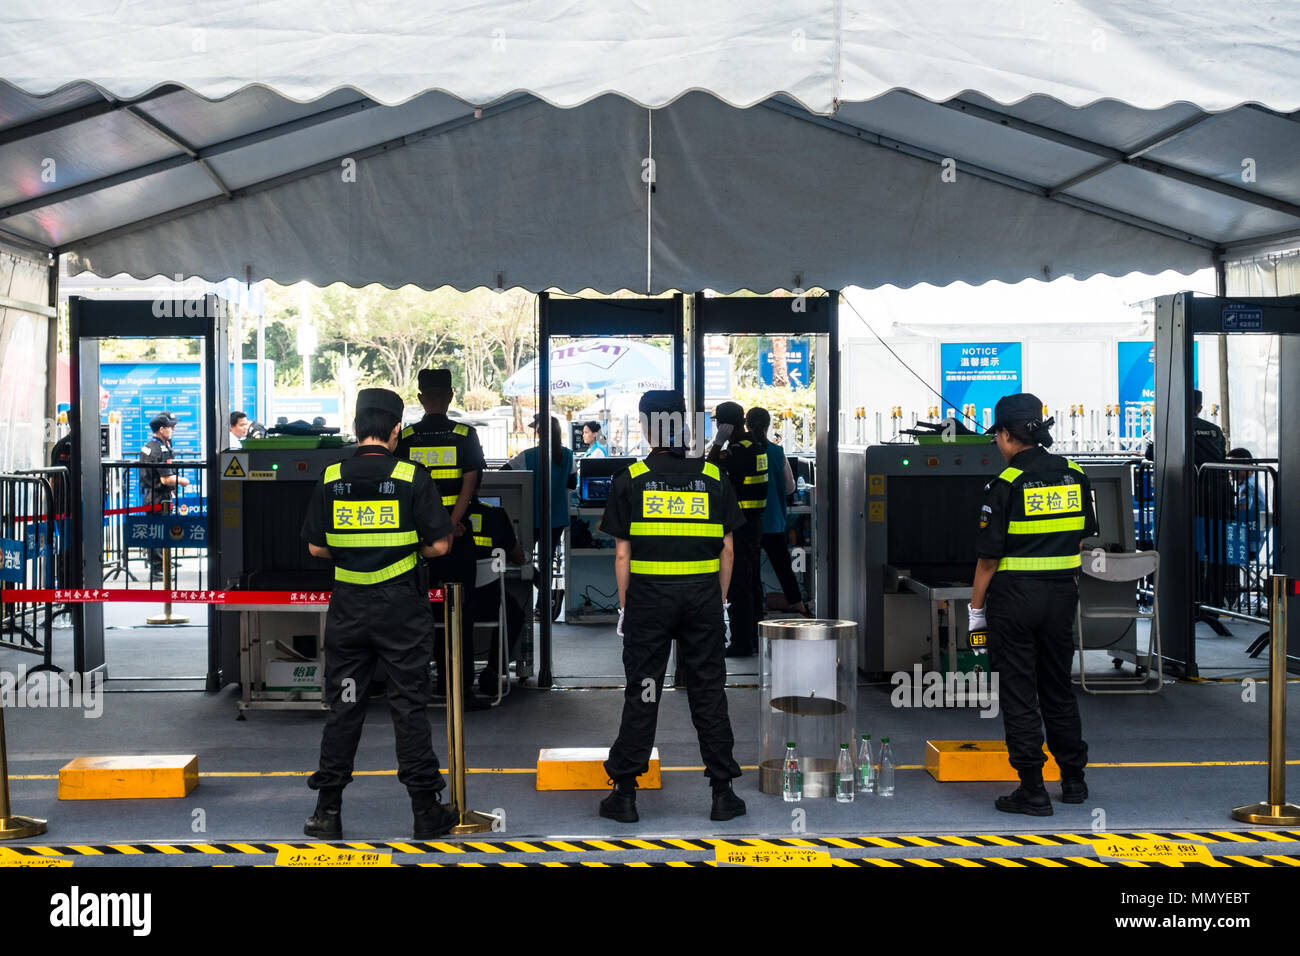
{"points": [[374, 515], [1036, 513], [744, 460], [673, 519], [451, 454]]}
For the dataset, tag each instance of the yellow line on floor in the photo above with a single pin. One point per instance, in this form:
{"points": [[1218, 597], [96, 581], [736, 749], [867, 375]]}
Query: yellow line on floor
{"points": [[222, 774]]}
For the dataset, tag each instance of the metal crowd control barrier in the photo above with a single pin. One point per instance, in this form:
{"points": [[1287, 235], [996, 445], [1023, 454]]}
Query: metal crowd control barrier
{"points": [[169, 523], [1275, 812], [34, 523], [470, 821], [1235, 515]]}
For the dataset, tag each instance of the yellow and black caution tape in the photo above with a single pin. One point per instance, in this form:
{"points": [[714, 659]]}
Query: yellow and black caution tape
{"points": [[697, 845]]}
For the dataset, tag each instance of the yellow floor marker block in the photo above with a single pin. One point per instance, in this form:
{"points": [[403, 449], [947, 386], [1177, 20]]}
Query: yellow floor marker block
{"points": [[129, 778], [583, 768], [975, 760]]}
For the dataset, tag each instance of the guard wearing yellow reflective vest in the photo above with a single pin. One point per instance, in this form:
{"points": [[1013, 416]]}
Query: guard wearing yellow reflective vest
{"points": [[1036, 513], [744, 461], [450, 452], [673, 518], [373, 515]]}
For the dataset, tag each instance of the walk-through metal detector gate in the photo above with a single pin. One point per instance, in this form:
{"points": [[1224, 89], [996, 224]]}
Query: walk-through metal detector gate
{"points": [[90, 320], [815, 316], [587, 318], [1179, 318]]}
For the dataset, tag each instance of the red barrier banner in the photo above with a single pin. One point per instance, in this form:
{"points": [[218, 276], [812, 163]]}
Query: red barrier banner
{"points": [[149, 596]]}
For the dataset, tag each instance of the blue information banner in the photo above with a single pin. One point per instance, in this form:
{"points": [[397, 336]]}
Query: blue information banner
{"points": [[140, 390], [978, 373], [796, 362], [175, 530], [12, 570], [1137, 374]]}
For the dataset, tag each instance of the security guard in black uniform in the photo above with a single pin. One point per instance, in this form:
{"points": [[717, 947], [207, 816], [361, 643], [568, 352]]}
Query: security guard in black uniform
{"points": [[493, 533], [1036, 513], [160, 484], [373, 515], [451, 453], [745, 464], [673, 519]]}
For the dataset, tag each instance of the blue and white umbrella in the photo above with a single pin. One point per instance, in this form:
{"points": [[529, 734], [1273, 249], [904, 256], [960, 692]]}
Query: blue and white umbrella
{"points": [[597, 365]]}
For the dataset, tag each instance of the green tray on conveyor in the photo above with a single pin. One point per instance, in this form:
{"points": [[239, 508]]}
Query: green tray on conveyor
{"points": [[950, 440], [273, 442]]}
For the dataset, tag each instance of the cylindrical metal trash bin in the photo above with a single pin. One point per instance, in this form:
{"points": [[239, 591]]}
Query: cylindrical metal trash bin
{"points": [[808, 695]]}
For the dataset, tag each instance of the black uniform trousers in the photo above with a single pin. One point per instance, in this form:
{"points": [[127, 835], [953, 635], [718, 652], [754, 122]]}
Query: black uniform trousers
{"points": [[656, 613], [776, 545], [1031, 646], [392, 623], [164, 507], [746, 592], [457, 565]]}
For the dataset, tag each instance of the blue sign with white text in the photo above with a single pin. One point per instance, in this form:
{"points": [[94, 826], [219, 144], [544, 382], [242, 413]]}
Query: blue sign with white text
{"points": [[978, 373], [796, 363], [167, 531], [1137, 374], [12, 570]]}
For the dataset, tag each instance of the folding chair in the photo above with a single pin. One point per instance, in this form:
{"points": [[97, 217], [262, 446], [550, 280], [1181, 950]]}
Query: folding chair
{"points": [[1109, 593]]}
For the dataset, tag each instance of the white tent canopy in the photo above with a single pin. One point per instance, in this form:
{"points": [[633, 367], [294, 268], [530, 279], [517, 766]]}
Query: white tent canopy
{"points": [[1093, 144]]}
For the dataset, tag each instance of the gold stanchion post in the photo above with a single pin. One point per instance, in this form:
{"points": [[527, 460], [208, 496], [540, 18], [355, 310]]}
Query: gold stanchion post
{"points": [[471, 821], [167, 616], [1276, 812], [12, 827]]}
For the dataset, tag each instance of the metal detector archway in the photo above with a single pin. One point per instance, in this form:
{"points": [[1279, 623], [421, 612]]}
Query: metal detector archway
{"points": [[815, 316], [588, 317], [1179, 318], [90, 320]]}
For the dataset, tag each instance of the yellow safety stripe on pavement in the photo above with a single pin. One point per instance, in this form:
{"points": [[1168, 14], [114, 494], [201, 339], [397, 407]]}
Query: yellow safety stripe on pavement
{"points": [[675, 567], [371, 539], [701, 844], [1062, 563], [375, 577], [1045, 525], [685, 529]]}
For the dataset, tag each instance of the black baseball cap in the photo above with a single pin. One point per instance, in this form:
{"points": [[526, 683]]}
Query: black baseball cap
{"points": [[431, 378], [729, 413], [163, 420], [1019, 409], [661, 400], [382, 399]]}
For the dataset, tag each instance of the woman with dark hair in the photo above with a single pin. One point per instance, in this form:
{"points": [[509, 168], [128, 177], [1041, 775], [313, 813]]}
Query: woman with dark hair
{"points": [[594, 440], [780, 483], [564, 476]]}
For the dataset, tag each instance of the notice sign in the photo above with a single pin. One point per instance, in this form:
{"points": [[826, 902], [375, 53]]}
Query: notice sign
{"points": [[1137, 375], [978, 373], [168, 531]]}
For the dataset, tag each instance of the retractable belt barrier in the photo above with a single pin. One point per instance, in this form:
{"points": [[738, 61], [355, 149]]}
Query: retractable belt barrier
{"points": [[141, 596]]}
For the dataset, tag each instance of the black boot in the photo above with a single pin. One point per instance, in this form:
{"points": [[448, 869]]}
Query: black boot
{"points": [[1030, 797], [1073, 789], [726, 804], [432, 819], [326, 822], [620, 805]]}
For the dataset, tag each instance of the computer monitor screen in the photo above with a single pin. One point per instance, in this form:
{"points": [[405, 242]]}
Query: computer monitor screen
{"points": [[595, 489]]}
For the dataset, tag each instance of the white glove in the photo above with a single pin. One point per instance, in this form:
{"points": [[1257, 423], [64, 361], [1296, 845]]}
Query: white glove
{"points": [[619, 630], [726, 624], [976, 621]]}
